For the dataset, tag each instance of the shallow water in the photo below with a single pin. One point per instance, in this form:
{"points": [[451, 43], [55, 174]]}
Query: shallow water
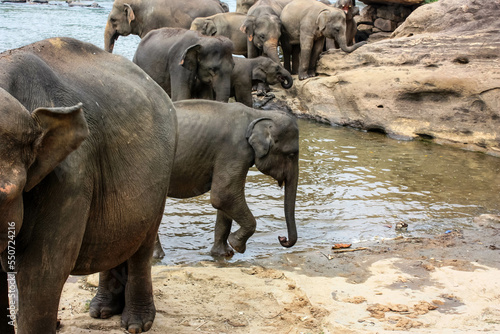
{"points": [[353, 184]]}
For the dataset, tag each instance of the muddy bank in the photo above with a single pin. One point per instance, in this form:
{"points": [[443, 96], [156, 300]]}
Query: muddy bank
{"points": [[445, 284], [437, 77]]}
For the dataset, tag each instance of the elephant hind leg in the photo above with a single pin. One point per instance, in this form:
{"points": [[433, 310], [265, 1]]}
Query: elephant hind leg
{"points": [[110, 297]]}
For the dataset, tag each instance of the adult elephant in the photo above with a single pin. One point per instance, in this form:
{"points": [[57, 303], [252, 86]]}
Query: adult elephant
{"points": [[218, 143], [248, 72], [187, 64], [306, 23], [224, 24], [138, 17], [263, 28], [84, 186]]}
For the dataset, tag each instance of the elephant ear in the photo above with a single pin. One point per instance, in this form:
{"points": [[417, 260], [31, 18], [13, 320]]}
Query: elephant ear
{"points": [[259, 74], [210, 28], [259, 136], [62, 132], [129, 12], [322, 19], [247, 26], [189, 59]]}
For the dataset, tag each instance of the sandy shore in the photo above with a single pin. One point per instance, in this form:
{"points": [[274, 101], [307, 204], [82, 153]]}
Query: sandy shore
{"points": [[446, 284]]}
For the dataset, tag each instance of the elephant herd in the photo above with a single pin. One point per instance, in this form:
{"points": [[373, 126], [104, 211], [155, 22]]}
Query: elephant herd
{"points": [[92, 144]]}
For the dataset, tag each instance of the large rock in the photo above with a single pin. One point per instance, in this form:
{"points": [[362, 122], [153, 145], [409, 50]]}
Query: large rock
{"points": [[437, 78]]}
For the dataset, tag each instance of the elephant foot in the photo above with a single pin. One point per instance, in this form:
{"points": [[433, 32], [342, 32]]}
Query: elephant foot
{"points": [[238, 245], [306, 76], [105, 305], [138, 318], [223, 250]]}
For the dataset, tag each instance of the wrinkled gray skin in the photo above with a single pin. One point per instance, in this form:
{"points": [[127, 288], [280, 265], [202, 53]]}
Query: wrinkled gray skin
{"points": [[138, 17], [224, 24], [249, 72], [263, 28], [187, 64], [218, 143], [84, 185], [242, 6], [350, 10], [306, 23]]}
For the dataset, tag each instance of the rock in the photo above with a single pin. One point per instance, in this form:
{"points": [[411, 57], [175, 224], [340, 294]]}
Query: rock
{"points": [[437, 78], [93, 280], [385, 25], [401, 2], [487, 220]]}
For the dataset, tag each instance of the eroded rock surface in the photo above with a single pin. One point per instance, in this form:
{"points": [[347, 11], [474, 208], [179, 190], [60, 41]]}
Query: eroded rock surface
{"points": [[438, 77]]}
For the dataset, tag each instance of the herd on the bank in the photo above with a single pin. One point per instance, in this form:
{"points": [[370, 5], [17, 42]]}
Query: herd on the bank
{"points": [[90, 146]]}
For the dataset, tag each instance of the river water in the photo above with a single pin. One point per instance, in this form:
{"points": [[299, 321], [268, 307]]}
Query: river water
{"points": [[353, 185]]}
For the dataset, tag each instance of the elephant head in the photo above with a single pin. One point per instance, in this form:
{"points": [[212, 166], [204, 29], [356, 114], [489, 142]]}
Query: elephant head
{"points": [[332, 24], [212, 61], [272, 72], [264, 31], [276, 146], [121, 22], [204, 26], [31, 146]]}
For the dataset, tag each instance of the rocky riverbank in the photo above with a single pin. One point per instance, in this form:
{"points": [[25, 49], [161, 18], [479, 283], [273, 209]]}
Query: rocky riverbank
{"points": [[437, 78]]}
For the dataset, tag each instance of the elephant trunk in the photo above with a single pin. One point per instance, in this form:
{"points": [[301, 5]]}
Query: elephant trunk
{"points": [[222, 89], [270, 49], [110, 36], [341, 40], [287, 79], [290, 196]]}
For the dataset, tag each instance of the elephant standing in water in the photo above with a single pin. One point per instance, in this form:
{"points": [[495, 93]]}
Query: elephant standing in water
{"points": [[138, 17], [187, 64], [306, 23], [84, 186], [218, 143], [249, 72]]}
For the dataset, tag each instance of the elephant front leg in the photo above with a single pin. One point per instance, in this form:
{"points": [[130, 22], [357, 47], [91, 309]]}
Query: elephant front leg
{"points": [[313, 60], [221, 234], [110, 297], [306, 45]]}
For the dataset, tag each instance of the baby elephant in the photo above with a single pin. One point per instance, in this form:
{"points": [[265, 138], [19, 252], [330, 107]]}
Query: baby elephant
{"points": [[248, 72], [218, 143], [224, 24]]}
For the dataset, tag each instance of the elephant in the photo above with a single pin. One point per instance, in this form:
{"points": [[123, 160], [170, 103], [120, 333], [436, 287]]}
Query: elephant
{"points": [[218, 143], [138, 17], [247, 72], [84, 183], [187, 64], [263, 28], [224, 24], [242, 6], [350, 10], [306, 23]]}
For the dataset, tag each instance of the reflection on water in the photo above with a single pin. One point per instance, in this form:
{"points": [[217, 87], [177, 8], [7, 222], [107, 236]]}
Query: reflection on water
{"points": [[352, 184]]}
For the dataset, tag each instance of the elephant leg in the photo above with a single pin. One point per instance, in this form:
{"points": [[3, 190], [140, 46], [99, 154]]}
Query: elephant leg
{"points": [[252, 50], [110, 297], [139, 312], [306, 46], [316, 51], [287, 53], [158, 252], [221, 234], [5, 327], [295, 59]]}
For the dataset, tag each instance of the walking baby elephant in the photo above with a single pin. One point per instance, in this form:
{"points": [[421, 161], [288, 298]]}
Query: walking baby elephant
{"points": [[187, 64], [249, 72], [83, 187], [218, 143]]}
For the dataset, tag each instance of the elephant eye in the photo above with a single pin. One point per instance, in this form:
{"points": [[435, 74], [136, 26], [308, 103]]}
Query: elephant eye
{"points": [[262, 36]]}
